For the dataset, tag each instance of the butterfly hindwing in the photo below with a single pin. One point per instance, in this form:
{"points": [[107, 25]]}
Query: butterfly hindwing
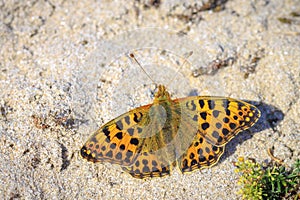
{"points": [[200, 154], [149, 164]]}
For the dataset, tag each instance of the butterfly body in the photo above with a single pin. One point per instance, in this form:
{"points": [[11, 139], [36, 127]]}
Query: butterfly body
{"points": [[188, 132]]}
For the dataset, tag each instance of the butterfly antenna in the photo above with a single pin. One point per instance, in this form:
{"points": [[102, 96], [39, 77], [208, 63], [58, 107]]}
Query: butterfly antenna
{"points": [[134, 58], [187, 55]]}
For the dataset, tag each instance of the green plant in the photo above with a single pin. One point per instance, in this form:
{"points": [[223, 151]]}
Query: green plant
{"points": [[270, 182]]}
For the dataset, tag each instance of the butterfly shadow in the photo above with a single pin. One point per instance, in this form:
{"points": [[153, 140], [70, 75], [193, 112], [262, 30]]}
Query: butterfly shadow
{"points": [[270, 118]]}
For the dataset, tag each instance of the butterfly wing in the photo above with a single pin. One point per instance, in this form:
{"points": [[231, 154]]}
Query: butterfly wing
{"points": [[148, 164], [137, 141], [200, 154], [219, 120], [117, 141]]}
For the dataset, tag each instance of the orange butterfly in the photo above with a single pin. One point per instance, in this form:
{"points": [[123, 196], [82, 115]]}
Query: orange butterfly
{"points": [[189, 132]]}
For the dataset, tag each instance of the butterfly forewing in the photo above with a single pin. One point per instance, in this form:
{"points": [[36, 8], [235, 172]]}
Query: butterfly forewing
{"points": [[118, 141], [220, 119]]}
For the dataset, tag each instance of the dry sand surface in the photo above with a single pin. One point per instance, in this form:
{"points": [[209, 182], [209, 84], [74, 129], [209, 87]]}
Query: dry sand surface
{"points": [[65, 70]]}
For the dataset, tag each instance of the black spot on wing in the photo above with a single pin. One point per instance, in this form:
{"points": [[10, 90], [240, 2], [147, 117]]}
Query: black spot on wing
{"points": [[134, 141], [225, 103], [127, 120], [211, 104], [201, 103], [216, 113], [119, 125], [137, 118], [205, 126], [203, 115]]}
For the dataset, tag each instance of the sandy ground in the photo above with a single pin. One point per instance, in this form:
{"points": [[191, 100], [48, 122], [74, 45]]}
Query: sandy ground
{"points": [[64, 72]]}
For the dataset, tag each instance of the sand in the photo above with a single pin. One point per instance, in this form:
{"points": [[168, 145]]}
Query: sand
{"points": [[64, 71]]}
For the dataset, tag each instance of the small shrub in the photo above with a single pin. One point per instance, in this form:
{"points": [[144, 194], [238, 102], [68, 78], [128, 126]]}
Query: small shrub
{"points": [[269, 182]]}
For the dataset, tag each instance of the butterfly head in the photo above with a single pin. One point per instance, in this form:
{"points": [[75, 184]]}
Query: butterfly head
{"points": [[162, 94]]}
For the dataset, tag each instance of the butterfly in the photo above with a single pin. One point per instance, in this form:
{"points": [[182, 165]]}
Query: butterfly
{"points": [[190, 133]]}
